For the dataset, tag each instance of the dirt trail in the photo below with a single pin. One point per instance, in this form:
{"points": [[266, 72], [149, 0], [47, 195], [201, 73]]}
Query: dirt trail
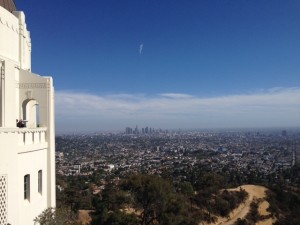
{"points": [[254, 192], [263, 208], [84, 216]]}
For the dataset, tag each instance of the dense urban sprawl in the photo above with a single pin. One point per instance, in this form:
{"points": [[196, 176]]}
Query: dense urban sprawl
{"points": [[266, 152]]}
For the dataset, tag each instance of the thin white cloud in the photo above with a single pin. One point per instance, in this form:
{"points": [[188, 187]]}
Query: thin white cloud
{"points": [[141, 48], [176, 95], [274, 107]]}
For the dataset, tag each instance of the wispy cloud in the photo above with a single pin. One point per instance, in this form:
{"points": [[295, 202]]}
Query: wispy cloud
{"points": [[141, 48], [176, 95], [273, 107]]}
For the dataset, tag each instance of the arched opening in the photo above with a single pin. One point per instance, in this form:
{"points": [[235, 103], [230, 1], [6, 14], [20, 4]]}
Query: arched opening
{"points": [[37, 115], [31, 113]]}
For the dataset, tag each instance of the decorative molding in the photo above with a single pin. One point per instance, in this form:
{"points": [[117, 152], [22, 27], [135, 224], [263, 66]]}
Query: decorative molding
{"points": [[32, 85], [9, 26]]}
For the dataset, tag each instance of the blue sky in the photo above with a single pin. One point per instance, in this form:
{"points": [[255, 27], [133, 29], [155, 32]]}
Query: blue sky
{"points": [[169, 64]]}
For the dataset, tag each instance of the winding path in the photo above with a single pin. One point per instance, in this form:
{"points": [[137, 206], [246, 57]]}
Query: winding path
{"points": [[254, 192]]}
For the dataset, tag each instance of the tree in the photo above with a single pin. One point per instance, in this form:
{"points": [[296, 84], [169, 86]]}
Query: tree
{"points": [[187, 189], [158, 201], [51, 216]]}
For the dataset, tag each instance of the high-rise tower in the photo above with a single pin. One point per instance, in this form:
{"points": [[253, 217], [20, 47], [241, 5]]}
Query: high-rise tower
{"points": [[27, 150]]}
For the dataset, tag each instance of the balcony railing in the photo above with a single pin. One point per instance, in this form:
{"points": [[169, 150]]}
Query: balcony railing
{"points": [[27, 136]]}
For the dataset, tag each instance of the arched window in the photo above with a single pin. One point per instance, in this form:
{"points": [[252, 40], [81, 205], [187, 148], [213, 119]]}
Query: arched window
{"points": [[37, 115], [40, 181], [27, 187]]}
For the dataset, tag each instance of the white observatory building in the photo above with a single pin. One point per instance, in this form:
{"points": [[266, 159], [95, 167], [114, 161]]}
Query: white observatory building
{"points": [[27, 147]]}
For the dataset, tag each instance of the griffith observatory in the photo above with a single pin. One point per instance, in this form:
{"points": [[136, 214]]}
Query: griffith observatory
{"points": [[27, 146]]}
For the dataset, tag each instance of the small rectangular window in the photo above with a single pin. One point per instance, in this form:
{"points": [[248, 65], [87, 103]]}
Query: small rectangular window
{"points": [[27, 187], [40, 181]]}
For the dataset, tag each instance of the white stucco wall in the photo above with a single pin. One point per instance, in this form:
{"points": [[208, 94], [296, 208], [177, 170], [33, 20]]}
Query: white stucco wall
{"points": [[15, 41], [37, 160], [24, 150], [9, 33], [8, 167]]}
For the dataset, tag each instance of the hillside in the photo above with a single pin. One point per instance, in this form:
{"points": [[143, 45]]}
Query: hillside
{"points": [[153, 199], [256, 194]]}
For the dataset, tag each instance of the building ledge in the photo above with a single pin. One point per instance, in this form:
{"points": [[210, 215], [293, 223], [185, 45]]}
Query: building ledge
{"points": [[22, 130], [27, 136]]}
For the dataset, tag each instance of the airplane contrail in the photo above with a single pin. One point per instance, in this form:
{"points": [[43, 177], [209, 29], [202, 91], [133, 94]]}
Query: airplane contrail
{"points": [[141, 48]]}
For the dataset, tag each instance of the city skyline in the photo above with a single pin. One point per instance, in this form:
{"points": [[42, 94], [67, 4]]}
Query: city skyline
{"points": [[196, 64]]}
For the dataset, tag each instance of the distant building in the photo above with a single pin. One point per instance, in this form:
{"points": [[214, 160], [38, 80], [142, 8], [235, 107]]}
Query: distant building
{"points": [[128, 130], [136, 130], [27, 148]]}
